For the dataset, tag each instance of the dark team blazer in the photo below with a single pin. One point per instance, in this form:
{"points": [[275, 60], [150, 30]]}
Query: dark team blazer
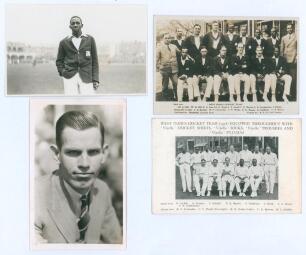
{"points": [[206, 69], [220, 68], [281, 65], [254, 45], [269, 50], [208, 42], [176, 43], [247, 45], [83, 61], [231, 45], [239, 65], [189, 43], [265, 67], [187, 69]]}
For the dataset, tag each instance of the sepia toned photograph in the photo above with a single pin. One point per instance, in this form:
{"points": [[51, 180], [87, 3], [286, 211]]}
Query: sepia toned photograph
{"points": [[241, 65], [75, 49], [77, 175], [226, 167]]}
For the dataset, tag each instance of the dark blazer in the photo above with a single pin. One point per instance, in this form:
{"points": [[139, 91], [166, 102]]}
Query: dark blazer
{"points": [[189, 43], [265, 67], [220, 68], [239, 65], [208, 42], [247, 46], [176, 43], [281, 67], [269, 50], [231, 45], [254, 44], [187, 69], [55, 221], [84, 61], [206, 69]]}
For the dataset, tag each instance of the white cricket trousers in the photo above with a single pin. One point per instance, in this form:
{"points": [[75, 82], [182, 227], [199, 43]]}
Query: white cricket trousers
{"points": [[185, 176], [75, 86], [192, 85], [270, 175]]}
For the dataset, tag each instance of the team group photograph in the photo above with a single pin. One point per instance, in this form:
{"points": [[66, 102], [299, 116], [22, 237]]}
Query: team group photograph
{"points": [[226, 167], [230, 60]]}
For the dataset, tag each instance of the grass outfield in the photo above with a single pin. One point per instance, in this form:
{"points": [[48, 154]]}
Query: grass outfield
{"points": [[262, 195], [25, 79]]}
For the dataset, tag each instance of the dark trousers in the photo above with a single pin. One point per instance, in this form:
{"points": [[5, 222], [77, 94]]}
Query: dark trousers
{"points": [[165, 83]]}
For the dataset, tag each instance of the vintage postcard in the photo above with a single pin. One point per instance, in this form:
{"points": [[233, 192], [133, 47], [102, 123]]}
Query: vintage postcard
{"points": [[75, 49], [226, 65], [77, 174], [226, 166]]}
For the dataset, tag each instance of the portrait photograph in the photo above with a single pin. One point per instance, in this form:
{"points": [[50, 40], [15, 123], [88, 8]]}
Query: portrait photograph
{"points": [[234, 62], [75, 49], [77, 174]]}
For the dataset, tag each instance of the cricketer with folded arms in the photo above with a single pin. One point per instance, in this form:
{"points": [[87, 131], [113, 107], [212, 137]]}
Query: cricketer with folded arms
{"points": [[71, 204]]}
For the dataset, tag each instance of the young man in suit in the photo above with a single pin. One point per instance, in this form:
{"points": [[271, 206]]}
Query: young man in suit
{"points": [[246, 41], [179, 41], [194, 42], [262, 71], [255, 42], [71, 204], [280, 69], [77, 61], [288, 50], [186, 77], [204, 70], [214, 40], [272, 43], [167, 65], [231, 40], [240, 72], [221, 72]]}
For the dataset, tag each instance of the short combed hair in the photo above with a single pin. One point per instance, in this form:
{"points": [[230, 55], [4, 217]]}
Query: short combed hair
{"points": [[75, 17], [78, 120], [197, 25]]}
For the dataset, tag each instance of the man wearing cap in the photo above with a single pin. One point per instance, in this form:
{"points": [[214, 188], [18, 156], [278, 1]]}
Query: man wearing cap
{"points": [[228, 173], [270, 163], [183, 162], [77, 61], [256, 176], [214, 177], [242, 176]]}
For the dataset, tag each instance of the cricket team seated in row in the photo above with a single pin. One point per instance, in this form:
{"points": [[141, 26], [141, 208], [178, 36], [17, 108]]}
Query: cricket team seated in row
{"points": [[206, 66], [227, 171]]}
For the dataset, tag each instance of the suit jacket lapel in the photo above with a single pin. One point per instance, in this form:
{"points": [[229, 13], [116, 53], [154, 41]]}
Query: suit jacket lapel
{"points": [[61, 213], [82, 42], [95, 212]]}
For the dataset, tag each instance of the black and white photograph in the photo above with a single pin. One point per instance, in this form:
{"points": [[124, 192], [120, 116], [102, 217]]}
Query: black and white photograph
{"points": [[227, 167], [77, 174], [203, 61], [75, 50]]}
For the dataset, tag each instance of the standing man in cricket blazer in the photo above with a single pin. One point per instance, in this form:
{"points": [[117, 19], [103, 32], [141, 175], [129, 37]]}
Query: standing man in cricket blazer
{"points": [[194, 42], [77, 61]]}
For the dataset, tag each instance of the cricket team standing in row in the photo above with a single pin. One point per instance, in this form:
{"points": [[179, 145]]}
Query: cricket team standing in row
{"points": [[227, 171]]}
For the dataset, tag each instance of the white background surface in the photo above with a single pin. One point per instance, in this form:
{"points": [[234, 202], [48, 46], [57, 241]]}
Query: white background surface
{"points": [[147, 233]]}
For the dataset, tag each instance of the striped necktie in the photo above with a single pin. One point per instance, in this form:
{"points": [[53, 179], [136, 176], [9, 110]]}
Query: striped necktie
{"points": [[84, 216]]}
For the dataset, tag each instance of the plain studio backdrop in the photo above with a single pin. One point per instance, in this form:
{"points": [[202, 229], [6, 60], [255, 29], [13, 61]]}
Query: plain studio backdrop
{"points": [[148, 233]]}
